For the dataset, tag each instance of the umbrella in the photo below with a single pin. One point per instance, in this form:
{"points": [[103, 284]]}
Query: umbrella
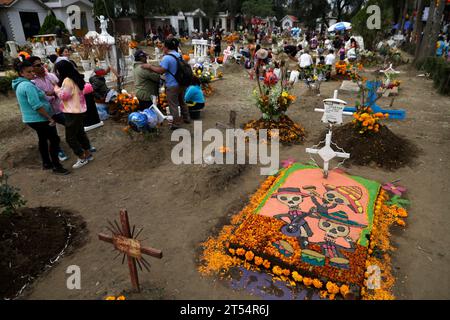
{"points": [[340, 26]]}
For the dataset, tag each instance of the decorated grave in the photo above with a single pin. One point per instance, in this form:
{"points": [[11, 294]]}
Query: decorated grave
{"points": [[330, 234], [273, 99], [314, 228]]}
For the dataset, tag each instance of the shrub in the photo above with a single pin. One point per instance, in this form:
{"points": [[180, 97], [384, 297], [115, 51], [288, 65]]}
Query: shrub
{"points": [[6, 82], [51, 23], [439, 70], [10, 198]]}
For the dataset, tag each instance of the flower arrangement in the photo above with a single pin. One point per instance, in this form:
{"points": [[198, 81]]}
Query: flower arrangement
{"points": [[127, 103], [162, 101], [274, 101], [85, 49], [203, 75], [124, 45], [365, 120], [133, 44], [101, 51]]}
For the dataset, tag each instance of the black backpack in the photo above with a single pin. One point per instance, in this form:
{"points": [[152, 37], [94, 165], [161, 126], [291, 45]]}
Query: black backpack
{"points": [[184, 74]]}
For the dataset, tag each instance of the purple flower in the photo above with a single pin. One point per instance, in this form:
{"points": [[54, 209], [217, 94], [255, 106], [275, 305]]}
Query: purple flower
{"points": [[287, 163], [397, 190]]}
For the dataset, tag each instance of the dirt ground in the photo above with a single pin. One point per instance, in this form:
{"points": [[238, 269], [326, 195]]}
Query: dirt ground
{"points": [[181, 206]]}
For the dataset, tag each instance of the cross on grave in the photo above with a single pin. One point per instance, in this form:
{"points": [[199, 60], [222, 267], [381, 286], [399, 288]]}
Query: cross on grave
{"points": [[127, 243], [333, 110], [231, 124], [372, 87], [327, 154]]}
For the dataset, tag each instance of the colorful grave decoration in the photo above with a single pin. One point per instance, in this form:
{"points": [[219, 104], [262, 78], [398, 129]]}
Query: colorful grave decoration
{"points": [[367, 138], [273, 99], [331, 235], [205, 77]]}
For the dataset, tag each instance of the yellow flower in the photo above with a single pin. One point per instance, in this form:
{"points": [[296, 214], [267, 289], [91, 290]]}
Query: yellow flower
{"points": [[277, 270], [297, 277], [332, 288], [344, 290], [110, 298]]}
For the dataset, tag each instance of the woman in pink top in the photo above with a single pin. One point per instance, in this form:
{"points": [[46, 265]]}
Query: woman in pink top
{"points": [[71, 91]]}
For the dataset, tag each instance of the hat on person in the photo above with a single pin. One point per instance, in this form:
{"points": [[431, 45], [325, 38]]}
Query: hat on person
{"points": [[100, 71], [140, 54], [262, 54]]}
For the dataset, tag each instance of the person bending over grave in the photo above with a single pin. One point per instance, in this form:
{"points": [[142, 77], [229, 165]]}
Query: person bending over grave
{"points": [[174, 70], [146, 81], [195, 98], [98, 81], [36, 113]]}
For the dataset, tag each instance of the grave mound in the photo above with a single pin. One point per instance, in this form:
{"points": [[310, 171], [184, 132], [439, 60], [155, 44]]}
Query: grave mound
{"points": [[384, 149], [290, 132], [33, 239]]}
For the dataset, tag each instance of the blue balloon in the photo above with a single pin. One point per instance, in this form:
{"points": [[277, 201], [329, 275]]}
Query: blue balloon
{"points": [[138, 121]]}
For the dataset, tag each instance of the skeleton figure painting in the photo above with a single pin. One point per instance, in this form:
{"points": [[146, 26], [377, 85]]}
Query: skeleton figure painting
{"points": [[335, 225], [337, 196], [297, 226]]}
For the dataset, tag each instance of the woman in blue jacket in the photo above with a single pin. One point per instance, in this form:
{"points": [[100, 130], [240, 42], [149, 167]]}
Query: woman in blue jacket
{"points": [[36, 113], [195, 98]]}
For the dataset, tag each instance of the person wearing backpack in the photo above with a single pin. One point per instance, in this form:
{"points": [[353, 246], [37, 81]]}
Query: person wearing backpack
{"points": [[178, 76]]}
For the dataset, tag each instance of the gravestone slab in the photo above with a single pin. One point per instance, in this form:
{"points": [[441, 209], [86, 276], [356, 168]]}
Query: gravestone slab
{"points": [[349, 86]]}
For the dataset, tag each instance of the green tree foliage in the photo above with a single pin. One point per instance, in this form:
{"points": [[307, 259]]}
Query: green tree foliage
{"points": [[260, 8], [359, 22], [310, 11], [51, 23]]}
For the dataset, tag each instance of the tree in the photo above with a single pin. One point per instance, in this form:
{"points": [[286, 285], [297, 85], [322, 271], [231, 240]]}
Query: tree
{"points": [[51, 24], [310, 11], [260, 8], [359, 22], [346, 9], [431, 33]]}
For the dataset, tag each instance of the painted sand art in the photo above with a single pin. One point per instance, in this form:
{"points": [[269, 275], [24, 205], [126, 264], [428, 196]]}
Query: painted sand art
{"points": [[328, 234]]}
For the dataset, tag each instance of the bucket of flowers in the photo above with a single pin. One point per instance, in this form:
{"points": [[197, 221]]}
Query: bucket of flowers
{"points": [[125, 104]]}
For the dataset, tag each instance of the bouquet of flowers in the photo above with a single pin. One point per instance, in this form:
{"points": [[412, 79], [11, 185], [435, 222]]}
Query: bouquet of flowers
{"points": [[274, 101], [85, 49], [365, 120], [101, 51]]}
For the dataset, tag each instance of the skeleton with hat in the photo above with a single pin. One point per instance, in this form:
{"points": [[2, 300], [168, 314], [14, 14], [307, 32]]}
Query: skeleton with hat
{"points": [[297, 226], [336, 225]]}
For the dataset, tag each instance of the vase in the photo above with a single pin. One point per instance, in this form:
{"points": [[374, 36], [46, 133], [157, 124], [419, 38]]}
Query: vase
{"points": [[103, 64], [86, 64]]}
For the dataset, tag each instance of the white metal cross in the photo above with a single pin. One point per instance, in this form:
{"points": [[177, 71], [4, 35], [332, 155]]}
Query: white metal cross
{"points": [[327, 153]]}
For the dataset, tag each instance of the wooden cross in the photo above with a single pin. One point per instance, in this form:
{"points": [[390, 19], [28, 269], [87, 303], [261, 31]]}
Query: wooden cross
{"points": [[231, 124], [127, 243]]}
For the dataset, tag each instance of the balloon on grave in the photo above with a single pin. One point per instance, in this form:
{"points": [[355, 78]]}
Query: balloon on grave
{"points": [[138, 121]]}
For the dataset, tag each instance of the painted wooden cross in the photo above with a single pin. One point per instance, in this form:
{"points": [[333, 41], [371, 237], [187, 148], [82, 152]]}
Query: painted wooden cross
{"points": [[127, 243], [327, 154]]}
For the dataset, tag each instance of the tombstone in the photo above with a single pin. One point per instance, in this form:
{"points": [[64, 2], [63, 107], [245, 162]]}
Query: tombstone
{"points": [[349, 86], [12, 49], [333, 110], [201, 50]]}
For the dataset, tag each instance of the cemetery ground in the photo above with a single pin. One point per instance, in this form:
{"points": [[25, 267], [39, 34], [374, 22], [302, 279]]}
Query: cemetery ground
{"points": [[181, 206]]}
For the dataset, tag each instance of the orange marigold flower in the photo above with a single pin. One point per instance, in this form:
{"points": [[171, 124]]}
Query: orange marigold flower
{"points": [[121, 298], [266, 264], [332, 296], [344, 290], [402, 213], [110, 298], [232, 251], [277, 270], [259, 261], [249, 256], [332, 288], [240, 252], [401, 222], [286, 272], [307, 281], [317, 283]]}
